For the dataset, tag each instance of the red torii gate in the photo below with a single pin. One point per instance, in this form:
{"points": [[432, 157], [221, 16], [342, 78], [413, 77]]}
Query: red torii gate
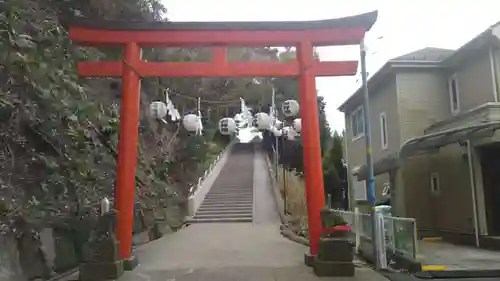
{"points": [[218, 35]]}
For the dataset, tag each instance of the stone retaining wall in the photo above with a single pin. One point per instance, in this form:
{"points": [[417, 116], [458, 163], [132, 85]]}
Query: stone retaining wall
{"points": [[41, 253]]}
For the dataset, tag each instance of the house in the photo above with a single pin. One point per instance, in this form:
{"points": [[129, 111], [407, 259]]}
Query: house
{"points": [[434, 115]]}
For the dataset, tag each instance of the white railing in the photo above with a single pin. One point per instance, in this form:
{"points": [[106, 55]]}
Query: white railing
{"points": [[400, 233], [198, 191], [208, 171]]}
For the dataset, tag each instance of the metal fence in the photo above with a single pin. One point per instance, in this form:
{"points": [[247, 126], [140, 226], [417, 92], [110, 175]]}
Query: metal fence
{"points": [[400, 233]]}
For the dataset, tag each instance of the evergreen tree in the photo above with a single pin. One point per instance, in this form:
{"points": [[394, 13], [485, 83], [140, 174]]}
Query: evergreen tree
{"points": [[334, 170]]}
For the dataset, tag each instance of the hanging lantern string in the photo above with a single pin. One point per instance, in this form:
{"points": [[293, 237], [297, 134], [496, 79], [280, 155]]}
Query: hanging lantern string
{"points": [[224, 102], [198, 120], [198, 106]]}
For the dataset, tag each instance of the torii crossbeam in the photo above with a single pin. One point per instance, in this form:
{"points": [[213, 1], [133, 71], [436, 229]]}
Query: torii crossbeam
{"points": [[132, 36]]}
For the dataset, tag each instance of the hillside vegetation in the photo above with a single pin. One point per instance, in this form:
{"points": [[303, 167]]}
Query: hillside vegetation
{"points": [[59, 132]]}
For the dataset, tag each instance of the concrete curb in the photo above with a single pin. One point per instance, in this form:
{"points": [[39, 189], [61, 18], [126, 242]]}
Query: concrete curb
{"points": [[276, 192], [65, 275]]}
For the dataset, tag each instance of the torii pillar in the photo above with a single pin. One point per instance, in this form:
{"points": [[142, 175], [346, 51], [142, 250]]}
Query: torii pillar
{"points": [[132, 36]]}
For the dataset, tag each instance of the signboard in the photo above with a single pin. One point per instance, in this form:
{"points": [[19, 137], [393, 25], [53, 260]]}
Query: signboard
{"points": [[359, 189]]}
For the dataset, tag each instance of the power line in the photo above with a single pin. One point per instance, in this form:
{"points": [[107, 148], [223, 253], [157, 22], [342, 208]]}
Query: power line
{"points": [[207, 101], [202, 100]]}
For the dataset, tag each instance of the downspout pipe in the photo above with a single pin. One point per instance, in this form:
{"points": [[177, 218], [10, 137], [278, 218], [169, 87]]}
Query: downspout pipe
{"points": [[494, 76], [473, 191]]}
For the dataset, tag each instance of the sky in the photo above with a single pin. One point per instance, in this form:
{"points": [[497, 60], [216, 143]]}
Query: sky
{"points": [[402, 27]]}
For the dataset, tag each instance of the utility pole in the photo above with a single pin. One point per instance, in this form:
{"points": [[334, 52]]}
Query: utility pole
{"points": [[274, 115], [369, 161], [283, 165]]}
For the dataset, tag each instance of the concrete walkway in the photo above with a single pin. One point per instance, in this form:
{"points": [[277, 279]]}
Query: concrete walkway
{"points": [[232, 251], [265, 210], [458, 257]]}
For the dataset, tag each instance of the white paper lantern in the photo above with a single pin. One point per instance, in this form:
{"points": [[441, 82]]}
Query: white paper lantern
{"points": [[238, 119], [286, 130], [297, 125], [190, 122], [263, 121], [278, 124], [227, 126], [158, 109], [276, 132], [289, 133], [290, 108]]}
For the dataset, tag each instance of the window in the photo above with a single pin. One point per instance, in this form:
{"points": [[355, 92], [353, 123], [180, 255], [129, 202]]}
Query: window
{"points": [[435, 183], [383, 131], [357, 123], [454, 94]]}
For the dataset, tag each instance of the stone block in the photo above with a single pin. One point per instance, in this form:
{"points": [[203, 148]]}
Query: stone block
{"points": [[174, 216], [10, 268], [156, 231], [31, 257], [66, 256], [138, 224], [48, 246], [102, 245], [309, 259], [81, 228], [335, 249], [130, 263], [101, 271], [140, 238], [106, 250], [332, 268]]}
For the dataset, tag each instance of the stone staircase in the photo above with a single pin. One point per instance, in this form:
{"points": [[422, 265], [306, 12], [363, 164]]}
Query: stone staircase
{"points": [[231, 197]]}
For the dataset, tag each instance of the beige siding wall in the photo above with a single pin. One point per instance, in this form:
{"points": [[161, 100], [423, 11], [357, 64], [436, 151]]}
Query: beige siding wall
{"points": [[453, 205], [354, 154], [412, 101], [475, 83], [416, 183], [398, 193], [451, 208], [422, 100], [384, 99]]}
